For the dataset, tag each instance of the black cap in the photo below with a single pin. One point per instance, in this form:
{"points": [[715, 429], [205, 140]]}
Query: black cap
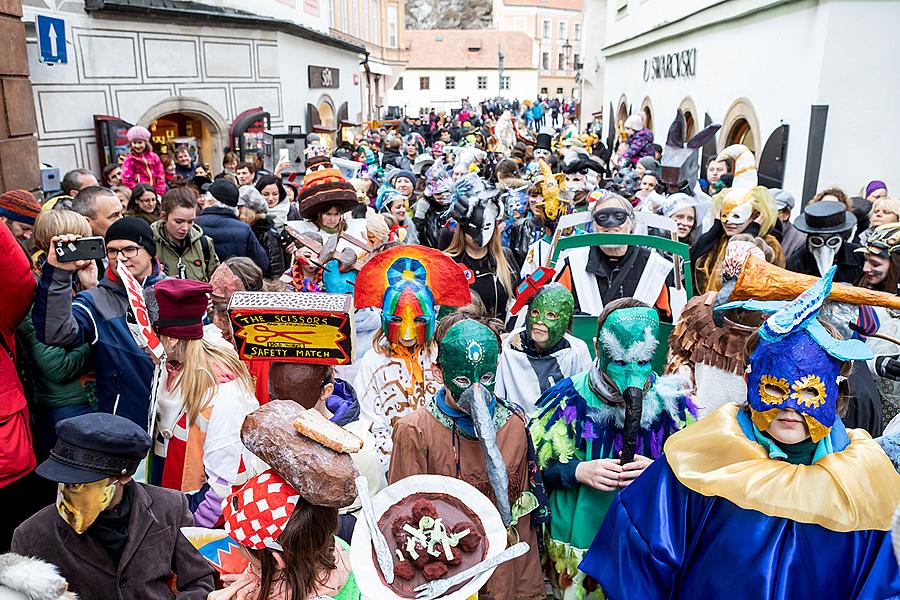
{"points": [[225, 192], [133, 229], [201, 182], [94, 446], [826, 216]]}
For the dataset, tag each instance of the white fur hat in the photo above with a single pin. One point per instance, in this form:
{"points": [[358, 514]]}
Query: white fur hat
{"points": [[635, 121]]}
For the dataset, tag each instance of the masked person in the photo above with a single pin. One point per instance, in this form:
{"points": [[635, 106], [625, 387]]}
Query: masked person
{"points": [[597, 431], [598, 275], [476, 243], [108, 535], [745, 207], [582, 176], [548, 206], [776, 479], [828, 226], [430, 211], [472, 435], [542, 353], [395, 378]]}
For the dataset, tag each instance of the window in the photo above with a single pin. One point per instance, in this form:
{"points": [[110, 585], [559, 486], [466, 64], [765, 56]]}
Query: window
{"points": [[392, 25], [621, 8], [546, 30], [345, 9], [482, 82], [577, 32], [450, 82], [543, 91], [399, 85], [365, 19], [424, 83], [563, 30], [376, 24], [504, 82], [576, 61], [559, 91], [545, 61], [562, 61], [354, 22]]}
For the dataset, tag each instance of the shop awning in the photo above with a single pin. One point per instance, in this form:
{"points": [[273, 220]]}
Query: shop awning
{"points": [[378, 68]]}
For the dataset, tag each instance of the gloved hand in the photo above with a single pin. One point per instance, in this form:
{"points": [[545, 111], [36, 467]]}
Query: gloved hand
{"points": [[888, 366], [421, 209]]}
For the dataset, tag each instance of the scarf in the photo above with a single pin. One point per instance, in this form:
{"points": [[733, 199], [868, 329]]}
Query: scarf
{"points": [[279, 213], [461, 419]]}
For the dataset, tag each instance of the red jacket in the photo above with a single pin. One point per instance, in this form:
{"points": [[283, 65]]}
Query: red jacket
{"points": [[17, 281]]}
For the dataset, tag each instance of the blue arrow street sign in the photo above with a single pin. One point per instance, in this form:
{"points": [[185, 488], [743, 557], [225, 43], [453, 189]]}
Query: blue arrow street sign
{"points": [[52, 39]]}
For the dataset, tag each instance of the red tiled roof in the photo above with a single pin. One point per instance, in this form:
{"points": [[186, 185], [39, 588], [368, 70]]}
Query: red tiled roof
{"points": [[467, 49]]}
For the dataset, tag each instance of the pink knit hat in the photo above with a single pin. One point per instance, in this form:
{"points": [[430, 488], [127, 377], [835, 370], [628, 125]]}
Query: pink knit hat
{"points": [[138, 133]]}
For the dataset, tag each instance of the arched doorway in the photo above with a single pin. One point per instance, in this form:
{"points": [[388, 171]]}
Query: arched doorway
{"points": [[621, 115], [647, 110], [740, 126], [689, 109], [740, 133], [190, 122], [327, 125]]}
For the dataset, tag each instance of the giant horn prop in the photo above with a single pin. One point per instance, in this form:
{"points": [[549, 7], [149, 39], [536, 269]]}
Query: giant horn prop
{"points": [[759, 280]]}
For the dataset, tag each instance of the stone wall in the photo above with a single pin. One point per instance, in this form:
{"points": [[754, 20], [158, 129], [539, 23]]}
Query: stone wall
{"points": [[18, 145]]}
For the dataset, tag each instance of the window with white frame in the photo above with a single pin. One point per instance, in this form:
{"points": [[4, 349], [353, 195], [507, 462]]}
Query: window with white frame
{"points": [[545, 61], [561, 61], [577, 31], [546, 31], [504, 82], [576, 60], [482, 82], [424, 83], [450, 82], [559, 91], [563, 30], [392, 25]]}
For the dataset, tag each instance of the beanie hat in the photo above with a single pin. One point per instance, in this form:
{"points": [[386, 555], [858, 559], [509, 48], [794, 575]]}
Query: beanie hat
{"points": [[874, 186], [402, 173], [649, 163], [252, 199], [635, 122], [182, 304], [225, 192], [138, 133], [19, 206], [132, 229], [325, 187]]}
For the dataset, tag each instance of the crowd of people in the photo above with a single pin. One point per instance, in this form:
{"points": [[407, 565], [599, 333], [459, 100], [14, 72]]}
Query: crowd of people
{"points": [[723, 422]]}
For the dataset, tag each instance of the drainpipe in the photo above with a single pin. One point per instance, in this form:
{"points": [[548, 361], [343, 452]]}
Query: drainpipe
{"points": [[365, 64]]}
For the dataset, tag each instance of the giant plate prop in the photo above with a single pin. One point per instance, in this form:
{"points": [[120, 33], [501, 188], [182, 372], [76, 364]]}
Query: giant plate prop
{"points": [[455, 501]]}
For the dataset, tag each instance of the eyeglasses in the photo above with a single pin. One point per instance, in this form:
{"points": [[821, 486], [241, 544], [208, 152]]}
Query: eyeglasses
{"points": [[129, 252]]}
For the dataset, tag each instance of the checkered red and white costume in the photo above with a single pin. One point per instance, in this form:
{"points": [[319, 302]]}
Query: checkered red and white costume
{"points": [[256, 514]]}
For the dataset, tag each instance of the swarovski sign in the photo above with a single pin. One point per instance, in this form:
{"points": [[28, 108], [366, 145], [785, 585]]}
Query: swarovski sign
{"points": [[671, 66], [323, 77]]}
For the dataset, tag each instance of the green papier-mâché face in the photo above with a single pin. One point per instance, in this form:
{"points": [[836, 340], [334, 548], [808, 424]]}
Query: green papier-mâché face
{"points": [[627, 342], [469, 353], [551, 307]]}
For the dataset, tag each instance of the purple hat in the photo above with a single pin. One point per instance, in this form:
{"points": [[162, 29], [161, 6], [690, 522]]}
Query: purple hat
{"points": [[138, 133], [874, 186]]}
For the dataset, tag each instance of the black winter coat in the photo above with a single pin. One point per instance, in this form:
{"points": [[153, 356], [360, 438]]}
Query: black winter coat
{"points": [[264, 230]]}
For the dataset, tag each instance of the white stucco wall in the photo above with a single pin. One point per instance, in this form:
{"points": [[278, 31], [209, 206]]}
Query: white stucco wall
{"points": [[523, 84], [783, 60], [124, 66]]}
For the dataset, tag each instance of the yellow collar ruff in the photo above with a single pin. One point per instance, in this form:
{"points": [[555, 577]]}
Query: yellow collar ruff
{"points": [[852, 490]]}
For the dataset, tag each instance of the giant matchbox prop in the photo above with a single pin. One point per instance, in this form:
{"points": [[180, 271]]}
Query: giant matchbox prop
{"points": [[293, 327]]}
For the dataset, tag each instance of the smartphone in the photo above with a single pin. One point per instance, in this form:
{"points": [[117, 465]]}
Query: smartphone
{"points": [[284, 155], [86, 248]]}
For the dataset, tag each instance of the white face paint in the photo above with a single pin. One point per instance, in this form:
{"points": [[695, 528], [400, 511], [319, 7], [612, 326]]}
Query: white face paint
{"points": [[542, 154], [575, 182]]}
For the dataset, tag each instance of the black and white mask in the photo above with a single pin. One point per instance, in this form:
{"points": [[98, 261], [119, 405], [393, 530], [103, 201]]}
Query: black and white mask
{"points": [[824, 247], [482, 222], [476, 208]]}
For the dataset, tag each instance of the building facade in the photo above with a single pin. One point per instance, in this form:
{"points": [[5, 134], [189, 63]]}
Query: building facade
{"points": [[807, 84], [447, 66], [379, 26], [556, 29], [211, 74]]}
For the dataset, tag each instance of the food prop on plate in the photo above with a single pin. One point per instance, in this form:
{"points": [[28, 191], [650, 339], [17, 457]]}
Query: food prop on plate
{"points": [[435, 527]]}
